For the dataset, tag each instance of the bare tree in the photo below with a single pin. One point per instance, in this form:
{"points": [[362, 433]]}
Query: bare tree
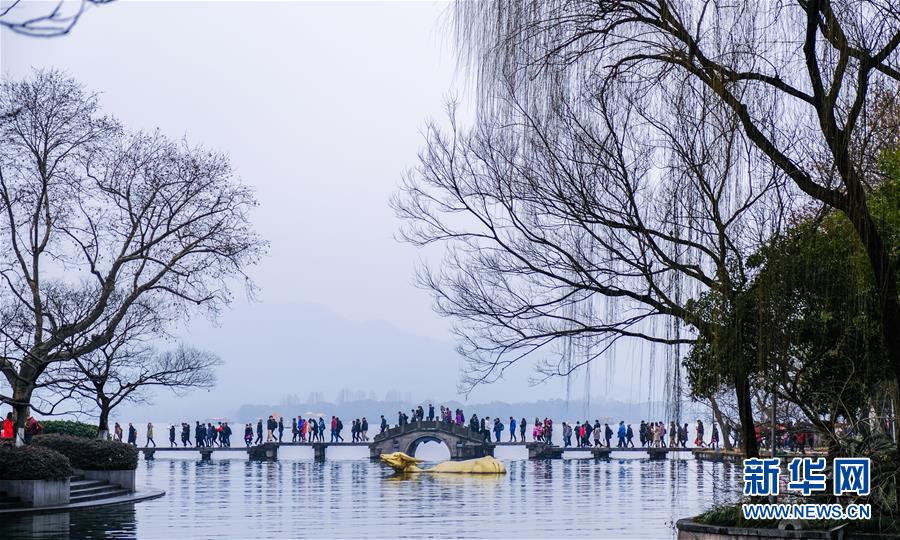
{"points": [[96, 221], [44, 19]]}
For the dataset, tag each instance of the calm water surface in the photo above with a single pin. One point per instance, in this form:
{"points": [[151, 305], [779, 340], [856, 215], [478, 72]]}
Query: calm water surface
{"points": [[351, 498]]}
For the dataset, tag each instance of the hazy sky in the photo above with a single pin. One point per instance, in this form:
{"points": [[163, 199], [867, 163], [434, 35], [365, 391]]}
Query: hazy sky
{"points": [[321, 107]]}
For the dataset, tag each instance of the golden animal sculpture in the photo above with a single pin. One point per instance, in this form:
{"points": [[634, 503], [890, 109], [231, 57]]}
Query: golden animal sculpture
{"points": [[403, 463]]}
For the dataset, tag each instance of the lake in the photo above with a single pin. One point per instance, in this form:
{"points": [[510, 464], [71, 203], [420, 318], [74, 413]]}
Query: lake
{"points": [[348, 497]]}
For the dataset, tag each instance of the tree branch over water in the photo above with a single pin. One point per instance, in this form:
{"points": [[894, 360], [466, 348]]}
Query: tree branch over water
{"points": [[44, 19]]}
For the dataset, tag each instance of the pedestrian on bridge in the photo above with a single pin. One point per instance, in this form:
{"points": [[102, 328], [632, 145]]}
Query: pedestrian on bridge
{"points": [[522, 425], [698, 440], [608, 433], [498, 429], [172, 436], [384, 424], [258, 432], [294, 430], [226, 435], [598, 433], [512, 429], [621, 434], [364, 427], [714, 439], [430, 412], [567, 434], [629, 435], [132, 435], [185, 434], [150, 435], [280, 428], [248, 434]]}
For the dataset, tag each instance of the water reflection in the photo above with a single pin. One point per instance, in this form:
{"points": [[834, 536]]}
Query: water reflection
{"points": [[343, 498]]}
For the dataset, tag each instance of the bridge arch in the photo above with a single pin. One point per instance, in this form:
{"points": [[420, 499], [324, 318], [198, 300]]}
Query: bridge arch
{"points": [[413, 446]]}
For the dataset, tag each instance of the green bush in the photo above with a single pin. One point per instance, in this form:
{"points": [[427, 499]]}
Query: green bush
{"points": [[91, 454], [731, 516], [68, 427], [33, 463]]}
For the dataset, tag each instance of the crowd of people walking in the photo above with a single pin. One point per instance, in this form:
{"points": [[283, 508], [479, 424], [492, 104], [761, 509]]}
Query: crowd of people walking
{"points": [[584, 434]]}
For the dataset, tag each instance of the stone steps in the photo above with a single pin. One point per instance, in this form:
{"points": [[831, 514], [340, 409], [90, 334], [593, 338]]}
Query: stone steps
{"points": [[81, 490], [92, 490], [84, 484], [105, 492]]}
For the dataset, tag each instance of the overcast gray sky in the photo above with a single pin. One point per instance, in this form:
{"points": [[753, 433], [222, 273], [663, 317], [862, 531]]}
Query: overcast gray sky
{"points": [[320, 106]]}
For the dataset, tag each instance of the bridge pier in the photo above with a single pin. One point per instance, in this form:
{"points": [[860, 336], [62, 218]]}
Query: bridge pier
{"points": [[600, 453], [540, 450], [263, 452], [657, 453], [148, 454], [319, 451], [470, 451], [206, 454]]}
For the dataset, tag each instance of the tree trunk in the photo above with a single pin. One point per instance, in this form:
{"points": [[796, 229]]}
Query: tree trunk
{"points": [[724, 428], [745, 414], [103, 431], [885, 273], [22, 410]]}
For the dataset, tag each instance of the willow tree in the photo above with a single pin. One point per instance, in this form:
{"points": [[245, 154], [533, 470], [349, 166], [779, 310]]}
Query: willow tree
{"points": [[587, 201], [97, 221], [798, 77]]}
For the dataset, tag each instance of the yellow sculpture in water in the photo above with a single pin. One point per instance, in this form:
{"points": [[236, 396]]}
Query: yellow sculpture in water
{"points": [[403, 463]]}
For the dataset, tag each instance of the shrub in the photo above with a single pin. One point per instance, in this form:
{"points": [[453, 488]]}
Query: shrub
{"points": [[91, 454], [33, 463], [68, 427]]}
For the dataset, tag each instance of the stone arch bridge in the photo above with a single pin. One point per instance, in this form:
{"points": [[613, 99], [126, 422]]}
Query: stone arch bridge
{"points": [[462, 442]]}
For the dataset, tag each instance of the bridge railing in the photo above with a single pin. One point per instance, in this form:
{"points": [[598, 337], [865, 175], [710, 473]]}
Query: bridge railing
{"points": [[461, 430]]}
